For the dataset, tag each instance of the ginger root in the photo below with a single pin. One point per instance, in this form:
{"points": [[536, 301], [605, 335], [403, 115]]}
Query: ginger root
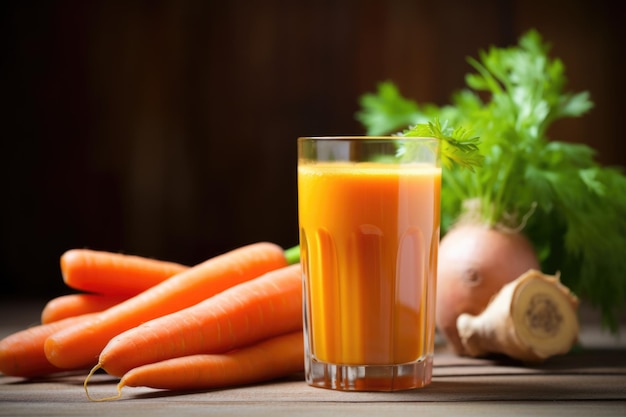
{"points": [[530, 319]]}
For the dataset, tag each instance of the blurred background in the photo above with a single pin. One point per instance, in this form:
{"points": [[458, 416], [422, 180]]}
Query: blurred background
{"points": [[168, 129]]}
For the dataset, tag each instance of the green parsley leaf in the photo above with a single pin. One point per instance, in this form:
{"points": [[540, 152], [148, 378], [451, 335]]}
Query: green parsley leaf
{"points": [[386, 111], [458, 146]]}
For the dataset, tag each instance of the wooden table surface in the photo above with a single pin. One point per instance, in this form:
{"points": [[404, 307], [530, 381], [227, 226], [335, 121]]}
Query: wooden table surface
{"points": [[590, 382]]}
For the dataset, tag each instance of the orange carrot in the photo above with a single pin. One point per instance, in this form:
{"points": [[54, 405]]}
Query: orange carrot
{"points": [[246, 313], [80, 345], [22, 353], [71, 305], [114, 273], [269, 359]]}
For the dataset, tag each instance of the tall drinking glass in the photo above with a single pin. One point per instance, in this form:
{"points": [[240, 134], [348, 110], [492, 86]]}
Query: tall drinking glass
{"points": [[369, 218]]}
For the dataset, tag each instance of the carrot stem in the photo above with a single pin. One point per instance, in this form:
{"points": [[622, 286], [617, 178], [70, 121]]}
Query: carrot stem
{"points": [[292, 255]]}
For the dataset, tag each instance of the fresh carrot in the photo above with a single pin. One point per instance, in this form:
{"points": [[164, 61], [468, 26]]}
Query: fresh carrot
{"points": [[71, 305], [113, 273], [246, 313], [269, 359], [81, 344], [22, 353]]}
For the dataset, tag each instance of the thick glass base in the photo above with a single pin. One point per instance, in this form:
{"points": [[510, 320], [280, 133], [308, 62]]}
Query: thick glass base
{"points": [[370, 377]]}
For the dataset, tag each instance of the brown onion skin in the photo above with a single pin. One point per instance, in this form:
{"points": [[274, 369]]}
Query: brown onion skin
{"points": [[475, 262]]}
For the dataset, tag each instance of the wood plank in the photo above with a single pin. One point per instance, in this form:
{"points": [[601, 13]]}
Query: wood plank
{"points": [[588, 381], [585, 376], [472, 395]]}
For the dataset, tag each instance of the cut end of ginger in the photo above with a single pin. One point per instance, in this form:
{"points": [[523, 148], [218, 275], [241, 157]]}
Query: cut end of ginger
{"points": [[530, 319]]}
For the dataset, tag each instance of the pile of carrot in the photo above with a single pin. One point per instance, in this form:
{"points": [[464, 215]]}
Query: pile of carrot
{"points": [[233, 319]]}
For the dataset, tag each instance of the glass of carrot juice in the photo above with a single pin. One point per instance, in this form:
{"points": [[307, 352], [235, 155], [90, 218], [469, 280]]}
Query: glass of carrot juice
{"points": [[369, 218]]}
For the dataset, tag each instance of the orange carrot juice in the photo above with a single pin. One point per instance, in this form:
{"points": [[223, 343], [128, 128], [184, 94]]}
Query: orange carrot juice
{"points": [[369, 234]]}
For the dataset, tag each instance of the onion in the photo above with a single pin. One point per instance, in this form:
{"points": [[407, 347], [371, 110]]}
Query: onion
{"points": [[475, 262]]}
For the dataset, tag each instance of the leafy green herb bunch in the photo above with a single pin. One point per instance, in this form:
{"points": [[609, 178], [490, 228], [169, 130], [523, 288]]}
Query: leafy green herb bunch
{"points": [[570, 207]]}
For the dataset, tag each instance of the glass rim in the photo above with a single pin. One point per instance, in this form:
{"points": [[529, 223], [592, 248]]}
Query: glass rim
{"points": [[367, 137]]}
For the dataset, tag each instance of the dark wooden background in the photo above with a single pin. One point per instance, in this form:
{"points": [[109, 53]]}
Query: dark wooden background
{"points": [[167, 128]]}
